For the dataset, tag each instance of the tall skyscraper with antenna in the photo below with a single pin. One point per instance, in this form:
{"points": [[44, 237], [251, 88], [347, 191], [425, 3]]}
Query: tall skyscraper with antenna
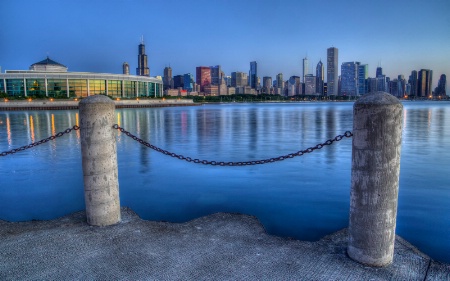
{"points": [[142, 69]]}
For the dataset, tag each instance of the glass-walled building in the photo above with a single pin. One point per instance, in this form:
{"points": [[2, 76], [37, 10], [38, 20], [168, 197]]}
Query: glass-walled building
{"points": [[51, 79]]}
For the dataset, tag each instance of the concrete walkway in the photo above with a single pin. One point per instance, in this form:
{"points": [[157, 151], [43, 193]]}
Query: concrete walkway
{"points": [[217, 247]]}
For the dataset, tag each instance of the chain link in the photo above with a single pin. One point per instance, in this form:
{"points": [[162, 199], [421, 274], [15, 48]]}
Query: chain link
{"points": [[347, 134], [60, 134]]}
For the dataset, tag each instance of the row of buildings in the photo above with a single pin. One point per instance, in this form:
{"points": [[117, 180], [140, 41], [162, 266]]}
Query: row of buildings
{"points": [[353, 81], [48, 78]]}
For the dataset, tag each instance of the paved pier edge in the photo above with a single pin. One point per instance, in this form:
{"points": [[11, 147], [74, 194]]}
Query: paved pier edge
{"points": [[220, 246]]}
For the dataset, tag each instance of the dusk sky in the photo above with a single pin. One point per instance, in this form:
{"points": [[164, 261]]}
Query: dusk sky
{"points": [[98, 36]]}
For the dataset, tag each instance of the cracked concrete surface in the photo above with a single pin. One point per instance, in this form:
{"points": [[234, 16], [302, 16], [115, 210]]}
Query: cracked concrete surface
{"points": [[221, 246]]}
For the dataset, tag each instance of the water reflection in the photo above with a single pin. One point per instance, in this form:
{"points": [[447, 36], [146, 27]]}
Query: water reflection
{"points": [[239, 133], [305, 197]]}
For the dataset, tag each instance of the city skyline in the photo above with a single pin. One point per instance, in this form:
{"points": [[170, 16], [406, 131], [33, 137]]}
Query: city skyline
{"points": [[105, 35]]}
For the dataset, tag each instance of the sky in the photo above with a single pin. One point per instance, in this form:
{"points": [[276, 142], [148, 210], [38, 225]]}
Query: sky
{"points": [[99, 36]]}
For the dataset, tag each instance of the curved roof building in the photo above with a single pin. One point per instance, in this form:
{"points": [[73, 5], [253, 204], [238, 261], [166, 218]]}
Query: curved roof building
{"points": [[51, 79], [48, 65]]}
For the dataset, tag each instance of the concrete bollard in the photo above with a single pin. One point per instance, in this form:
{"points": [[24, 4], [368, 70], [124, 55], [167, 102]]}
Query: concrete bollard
{"points": [[376, 145], [99, 160]]}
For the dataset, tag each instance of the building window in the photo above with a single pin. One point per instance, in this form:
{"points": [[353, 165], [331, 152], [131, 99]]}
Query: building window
{"points": [[115, 88], [78, 88], [56, 88], [14, 87], [36, 87], [130, 89], [97, 87]]}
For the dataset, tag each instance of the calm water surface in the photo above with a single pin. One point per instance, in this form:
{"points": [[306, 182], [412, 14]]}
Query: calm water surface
{"points": [[306, 197]]}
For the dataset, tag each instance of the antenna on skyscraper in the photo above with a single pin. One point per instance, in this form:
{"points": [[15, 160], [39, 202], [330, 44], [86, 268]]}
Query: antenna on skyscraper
{"points": [[142, 39]]}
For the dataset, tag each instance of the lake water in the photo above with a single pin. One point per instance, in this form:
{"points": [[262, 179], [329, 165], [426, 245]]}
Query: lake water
{"points": [[305, 197]]}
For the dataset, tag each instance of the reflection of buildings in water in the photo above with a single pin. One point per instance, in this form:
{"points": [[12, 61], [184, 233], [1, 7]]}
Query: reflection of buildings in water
{"points": [[253, 130], [330, 128], [8, 129], [441, 124], [142, 124], [31, 126], [53, 125], [184, 122]]}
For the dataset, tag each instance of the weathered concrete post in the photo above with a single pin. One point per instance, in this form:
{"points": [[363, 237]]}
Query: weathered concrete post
{"points": [[377, 135], [99, 160]]}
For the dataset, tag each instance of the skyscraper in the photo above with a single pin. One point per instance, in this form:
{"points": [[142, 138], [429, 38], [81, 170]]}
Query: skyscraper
{"points": [[203, 77], [178, 81], [238, 79], [305, 68], [280, 82], [167, 78], [414, 83], [363, 74], [332, 71], [320, 77], [253, 75], [267, 84], [310, 84], [349, 78], [424, 83], [379, 71], [142, 69], [215, 75], [442, 85], [188, 82], [401, 86]]}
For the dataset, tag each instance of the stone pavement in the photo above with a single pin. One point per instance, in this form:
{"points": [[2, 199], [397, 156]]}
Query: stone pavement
{"points": [[221, 246]]}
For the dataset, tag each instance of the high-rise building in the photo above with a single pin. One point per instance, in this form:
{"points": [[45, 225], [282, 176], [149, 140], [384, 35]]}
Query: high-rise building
{"points": [[413, 81], [320, 77], [126, 68], [253, 75], [379, 71], [349, 79], [425, 78], [142, 69], [441, 89], [167, 78], [305, 68], [203, 77], [363, 74], [238, 79], [188, 83], [267, 84], [227, 80], [371, 85], [216, 72], [332, 71], [294, 86], [382, 83], [401, 86], [310, 84], [280, 81], [178, 81], [393, 87]]}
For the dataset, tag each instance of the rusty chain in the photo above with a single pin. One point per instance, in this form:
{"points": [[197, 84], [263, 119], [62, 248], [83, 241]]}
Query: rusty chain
{"points": [[347, 134], [60, 134]]}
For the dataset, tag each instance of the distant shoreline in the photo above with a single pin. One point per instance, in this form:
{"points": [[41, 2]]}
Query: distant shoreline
{"points": [[15, 105], [19, 105]]}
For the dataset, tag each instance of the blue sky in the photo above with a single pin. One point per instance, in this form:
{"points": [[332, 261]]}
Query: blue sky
{"points": [[98, 36]]}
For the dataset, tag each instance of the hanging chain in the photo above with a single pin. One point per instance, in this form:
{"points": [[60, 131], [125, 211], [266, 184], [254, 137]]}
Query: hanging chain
{"points": [[347, 134], [60, 134]]}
